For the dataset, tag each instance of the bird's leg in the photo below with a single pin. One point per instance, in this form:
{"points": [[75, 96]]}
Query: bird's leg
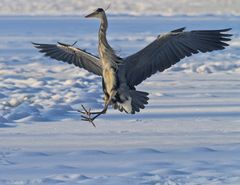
{"points": [[85, 111], [88, 113], [106, 98], [88, 117]]}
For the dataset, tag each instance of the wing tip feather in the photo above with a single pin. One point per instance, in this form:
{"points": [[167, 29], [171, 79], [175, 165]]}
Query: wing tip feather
{"points": [[178, 30]]}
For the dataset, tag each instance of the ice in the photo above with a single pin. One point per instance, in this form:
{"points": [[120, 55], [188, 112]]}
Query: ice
{"points": [[188, 134]]}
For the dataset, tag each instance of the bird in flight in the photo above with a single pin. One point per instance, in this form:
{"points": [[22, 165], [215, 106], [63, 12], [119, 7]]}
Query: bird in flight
{"points": [[120, 76]]}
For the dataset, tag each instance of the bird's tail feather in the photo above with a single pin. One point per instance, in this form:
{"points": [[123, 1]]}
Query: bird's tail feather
{"points": [[139, 100], [134, 103]]}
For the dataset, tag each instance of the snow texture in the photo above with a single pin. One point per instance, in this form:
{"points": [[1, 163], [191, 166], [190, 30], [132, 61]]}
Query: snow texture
{"points": [[188, 134], [126, 7]]}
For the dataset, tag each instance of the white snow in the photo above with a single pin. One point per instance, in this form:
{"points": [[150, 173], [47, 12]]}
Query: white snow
{"points": [[127, 7], [188, 134]]}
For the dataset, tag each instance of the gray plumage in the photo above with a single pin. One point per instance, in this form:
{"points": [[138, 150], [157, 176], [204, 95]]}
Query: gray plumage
{"points": [[72, 55], [170, 48], [121, 75]]}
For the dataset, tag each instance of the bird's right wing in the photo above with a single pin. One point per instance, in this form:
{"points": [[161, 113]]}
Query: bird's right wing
{"points": [[170, 48], [72, 55]]}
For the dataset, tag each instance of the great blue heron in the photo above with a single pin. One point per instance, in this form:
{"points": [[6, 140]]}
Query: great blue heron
{"points": [[121, 75]]}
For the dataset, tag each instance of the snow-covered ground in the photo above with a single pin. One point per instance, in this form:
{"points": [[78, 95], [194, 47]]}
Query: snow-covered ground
{"points": [[126, 7], [188, 134]]}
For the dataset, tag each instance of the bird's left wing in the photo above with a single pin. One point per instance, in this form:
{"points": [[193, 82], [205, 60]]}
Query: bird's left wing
{"points": [[170, 48], [72, 55]]}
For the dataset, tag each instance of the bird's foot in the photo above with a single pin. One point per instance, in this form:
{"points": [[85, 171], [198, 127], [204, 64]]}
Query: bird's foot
{"points": [[87, 115], [89, 119], [85, 111]]}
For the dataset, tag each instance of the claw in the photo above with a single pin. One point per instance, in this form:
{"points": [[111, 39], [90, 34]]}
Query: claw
{"points": [[84, 108], [85, 119], [86, 111], [89, 120], [81, 111], [87, 115]]}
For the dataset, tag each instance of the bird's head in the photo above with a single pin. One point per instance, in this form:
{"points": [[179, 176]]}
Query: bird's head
{"points": [[98, 13]]}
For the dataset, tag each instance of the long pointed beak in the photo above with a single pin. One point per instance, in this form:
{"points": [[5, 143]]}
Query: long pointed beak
{"points": [[90, 15]]}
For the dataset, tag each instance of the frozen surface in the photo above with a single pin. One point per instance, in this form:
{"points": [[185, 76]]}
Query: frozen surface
{"points": [[188, 134], [126, 7]]}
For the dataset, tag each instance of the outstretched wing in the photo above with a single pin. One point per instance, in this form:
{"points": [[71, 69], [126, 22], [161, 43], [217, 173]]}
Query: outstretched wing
{"points": [[169, 49], [71, 55]]}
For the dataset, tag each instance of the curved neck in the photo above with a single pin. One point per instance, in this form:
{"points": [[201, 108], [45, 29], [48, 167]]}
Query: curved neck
{"points": [[103, 31]]}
